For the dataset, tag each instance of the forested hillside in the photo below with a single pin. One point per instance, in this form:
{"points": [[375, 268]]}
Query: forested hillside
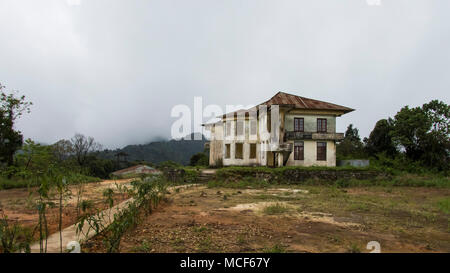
{"points": [[155, 152]]}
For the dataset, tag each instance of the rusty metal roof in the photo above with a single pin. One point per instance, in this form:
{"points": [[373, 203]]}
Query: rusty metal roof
{"points": [[285, 99], [132, 169], [298, 102]]}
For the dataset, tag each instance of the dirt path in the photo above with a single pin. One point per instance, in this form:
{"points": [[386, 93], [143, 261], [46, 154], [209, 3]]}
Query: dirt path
{"points": [[70, 234]]}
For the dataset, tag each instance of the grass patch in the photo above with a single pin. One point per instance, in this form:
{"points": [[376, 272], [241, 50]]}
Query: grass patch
{"points": [[354, 248], [200, 229], [240, 240], [277, 248], [444, 205], [275, 209], [144, 247], [205, 245]]}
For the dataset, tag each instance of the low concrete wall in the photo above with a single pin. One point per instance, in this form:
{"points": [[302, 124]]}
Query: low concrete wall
{"points": [[294, 175], [354, 162]]}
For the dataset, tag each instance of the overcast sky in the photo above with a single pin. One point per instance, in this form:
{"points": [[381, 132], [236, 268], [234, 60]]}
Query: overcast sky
{"points": [[113, 69]]}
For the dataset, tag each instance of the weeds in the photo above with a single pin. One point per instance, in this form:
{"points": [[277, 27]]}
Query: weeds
{"points": [[354, 248], [275, 209], [13, 237], [145, 247], [146, 194], [205, 245], [277, 248]]}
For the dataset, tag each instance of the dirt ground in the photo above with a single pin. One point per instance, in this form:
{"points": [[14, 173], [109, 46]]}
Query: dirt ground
{"points": [[20, 204], [293, 219]]}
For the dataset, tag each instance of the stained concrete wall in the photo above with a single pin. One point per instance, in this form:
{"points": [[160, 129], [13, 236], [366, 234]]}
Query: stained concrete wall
{"points": [[310, 156], [310, 122], [216, 145], [246, 160]]}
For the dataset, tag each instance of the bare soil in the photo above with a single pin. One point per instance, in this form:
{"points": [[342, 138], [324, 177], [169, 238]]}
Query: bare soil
{"points": [[304, 219], [19, 204]]}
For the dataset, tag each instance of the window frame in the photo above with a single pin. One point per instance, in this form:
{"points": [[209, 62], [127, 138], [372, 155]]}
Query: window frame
{"points": [[297, 127], [322, 125], [299, 150], [321, 155], [255, 149], [236, 149], [227, 151]]}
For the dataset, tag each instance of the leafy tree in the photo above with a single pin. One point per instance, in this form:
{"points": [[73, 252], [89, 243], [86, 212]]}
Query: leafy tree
{"points": [[351, 145], [100, 167], [199, 159], [410, 128], [423, 133], [380, 139], [11, 108], [436, 142], [62, 149], [34, 158], [83, 146]]}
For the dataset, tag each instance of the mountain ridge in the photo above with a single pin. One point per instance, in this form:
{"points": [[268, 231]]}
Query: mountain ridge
{"points": [[179, 151]]}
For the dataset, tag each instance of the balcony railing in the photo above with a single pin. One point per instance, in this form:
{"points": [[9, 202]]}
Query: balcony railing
{"points": [[291, 135], [283, 147]]}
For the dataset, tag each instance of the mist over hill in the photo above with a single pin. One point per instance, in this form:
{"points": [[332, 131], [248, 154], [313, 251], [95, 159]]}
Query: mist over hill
{"points": [[156, 152]]}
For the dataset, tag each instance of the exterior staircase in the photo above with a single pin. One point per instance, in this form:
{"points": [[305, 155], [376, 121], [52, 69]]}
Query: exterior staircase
{"points": [[206, 175]]}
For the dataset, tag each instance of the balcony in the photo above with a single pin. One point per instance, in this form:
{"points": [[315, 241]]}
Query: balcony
{"points": [[284, 147], [291, 135]]}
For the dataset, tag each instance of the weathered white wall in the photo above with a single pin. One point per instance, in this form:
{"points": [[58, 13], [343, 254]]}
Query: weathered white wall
{"points": [[310, 147], [216, 145], [246, 161]]}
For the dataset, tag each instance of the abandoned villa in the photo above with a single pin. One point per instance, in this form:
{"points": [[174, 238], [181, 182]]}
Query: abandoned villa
{"points": [[286, 130]]}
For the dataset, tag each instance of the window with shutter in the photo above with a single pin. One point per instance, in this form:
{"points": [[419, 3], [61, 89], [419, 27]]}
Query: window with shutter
{"points": [[299, 151], [299, 124], [321, 125], [321, 151]]}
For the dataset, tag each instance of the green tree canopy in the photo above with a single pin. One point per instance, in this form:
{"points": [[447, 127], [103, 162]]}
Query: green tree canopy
{"points": [[380, 139], [423, 133], [12, 107], [199, 159], [351, 146]]}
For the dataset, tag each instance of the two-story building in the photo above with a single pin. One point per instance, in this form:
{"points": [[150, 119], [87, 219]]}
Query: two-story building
{"points": [[286, 130]]}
